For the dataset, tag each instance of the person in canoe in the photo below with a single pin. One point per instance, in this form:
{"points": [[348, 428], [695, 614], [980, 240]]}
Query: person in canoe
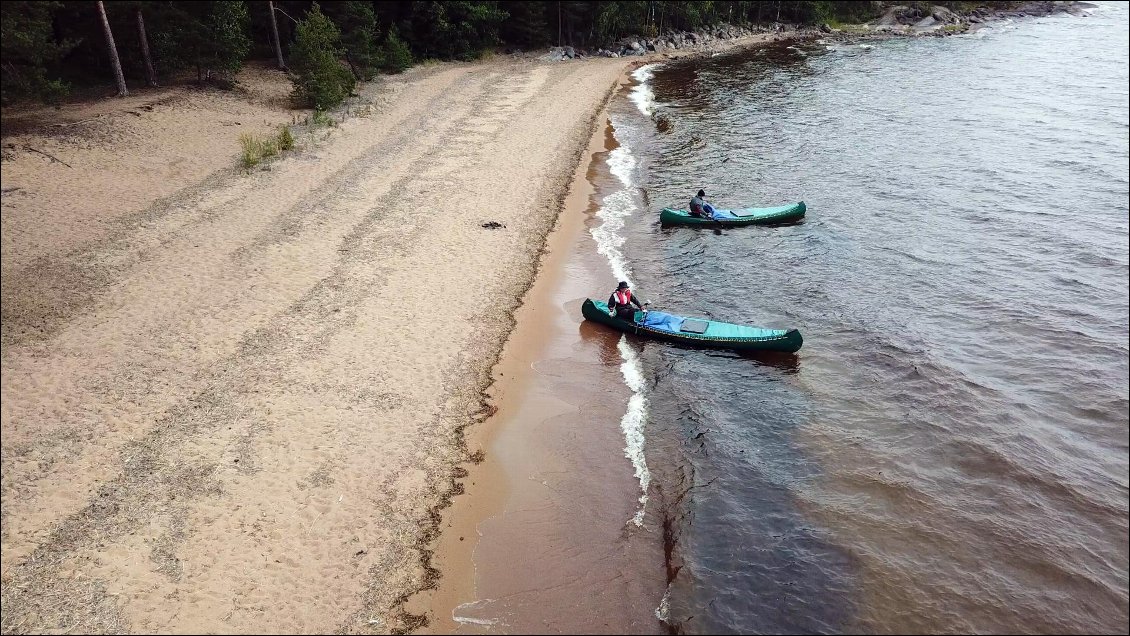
{"points": [[621, 301], [700, 208]]}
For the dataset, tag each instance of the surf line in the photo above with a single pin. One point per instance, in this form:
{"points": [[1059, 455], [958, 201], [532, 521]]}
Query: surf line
{"points": [[614, 211]]}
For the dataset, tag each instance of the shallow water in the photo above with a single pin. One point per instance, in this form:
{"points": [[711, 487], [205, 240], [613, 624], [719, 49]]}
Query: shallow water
{"points": [[948, 452]]}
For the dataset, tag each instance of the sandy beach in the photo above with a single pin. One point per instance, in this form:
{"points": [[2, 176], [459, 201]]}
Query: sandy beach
{"points": [[234, 401]]}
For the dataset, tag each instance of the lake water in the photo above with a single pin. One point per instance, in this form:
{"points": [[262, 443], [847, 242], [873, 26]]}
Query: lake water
{"points": [[948, 452]]}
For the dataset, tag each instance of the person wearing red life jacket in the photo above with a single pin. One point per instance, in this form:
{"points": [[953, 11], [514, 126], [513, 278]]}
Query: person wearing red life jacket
{"points": [[621, 301]]}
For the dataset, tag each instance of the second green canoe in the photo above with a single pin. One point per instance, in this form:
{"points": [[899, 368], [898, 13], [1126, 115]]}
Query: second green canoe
{"points": [[746, 216]]}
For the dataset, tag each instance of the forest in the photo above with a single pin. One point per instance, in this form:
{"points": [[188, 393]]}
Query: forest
{"points": [[51, 48]]}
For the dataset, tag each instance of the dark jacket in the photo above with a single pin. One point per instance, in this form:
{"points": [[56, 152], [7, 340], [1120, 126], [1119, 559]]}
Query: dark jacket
{"points": [[697, 206]]}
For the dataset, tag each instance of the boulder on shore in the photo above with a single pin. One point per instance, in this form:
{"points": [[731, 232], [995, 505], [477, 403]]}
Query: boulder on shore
{"points": [[927, 24], [944, 15], [890, 17]]}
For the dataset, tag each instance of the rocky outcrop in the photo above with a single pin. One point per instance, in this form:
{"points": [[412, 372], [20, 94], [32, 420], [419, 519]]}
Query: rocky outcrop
{"points": [[562, 53], [679, 40], [918, 19]]}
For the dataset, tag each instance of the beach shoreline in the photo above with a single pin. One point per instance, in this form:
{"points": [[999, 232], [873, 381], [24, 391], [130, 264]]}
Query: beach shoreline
{"points": [[214, 415]]}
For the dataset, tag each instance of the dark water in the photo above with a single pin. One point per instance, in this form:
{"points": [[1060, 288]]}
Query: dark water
{"points": [[948, 452]]}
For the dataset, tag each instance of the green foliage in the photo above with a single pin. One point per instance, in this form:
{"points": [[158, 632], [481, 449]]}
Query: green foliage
{"points": [[834, 13], [210, 36], [527, 26], [456, 29], [358, 26], [618, 19], [689, 15], [46, 45], [395, 55], [320, 80], [256, 149], [321, 118], [28, 48], [285, 139], [228, 43]]}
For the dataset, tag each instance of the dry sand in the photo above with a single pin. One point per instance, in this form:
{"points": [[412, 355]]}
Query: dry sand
{"points": [[232, 402]]}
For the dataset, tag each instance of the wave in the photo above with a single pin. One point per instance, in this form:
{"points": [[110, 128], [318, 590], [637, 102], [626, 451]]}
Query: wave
{"points": [[616, 207], [614, 211], [632, 424], [480, 604], [642, 94], [621, 163], [663, 612]]}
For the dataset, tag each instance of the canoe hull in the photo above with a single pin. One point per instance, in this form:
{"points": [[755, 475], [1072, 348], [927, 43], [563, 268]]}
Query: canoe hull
{"points": [[790, 341], [764, 216]]}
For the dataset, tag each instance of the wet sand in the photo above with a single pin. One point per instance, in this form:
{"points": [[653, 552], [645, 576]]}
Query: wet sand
{"points": [[543, 542]]}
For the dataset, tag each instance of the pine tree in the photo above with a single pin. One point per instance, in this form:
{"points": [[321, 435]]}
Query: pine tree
{"points": [[28, 49], [228, 42], [526, 27], [319, 78], [358, 26], [395, 56]]}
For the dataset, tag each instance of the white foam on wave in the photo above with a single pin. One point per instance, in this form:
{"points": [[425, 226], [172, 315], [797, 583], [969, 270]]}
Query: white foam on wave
{"points": [[614, 211], [632, 424], [616, 207], [641, 94], [663, 612], [471, 620], [621, 163]]}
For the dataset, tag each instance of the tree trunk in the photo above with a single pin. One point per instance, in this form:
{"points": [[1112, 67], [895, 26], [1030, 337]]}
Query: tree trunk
{"points": [[117, 63], [150, 75], [275, 32], [352, 67]]}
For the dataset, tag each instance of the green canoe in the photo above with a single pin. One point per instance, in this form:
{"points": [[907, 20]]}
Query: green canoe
{"points": [[746, 216], [700, 332]]}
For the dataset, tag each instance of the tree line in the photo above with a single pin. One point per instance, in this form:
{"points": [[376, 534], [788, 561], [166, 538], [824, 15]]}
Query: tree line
{"points": [[50, 47]]}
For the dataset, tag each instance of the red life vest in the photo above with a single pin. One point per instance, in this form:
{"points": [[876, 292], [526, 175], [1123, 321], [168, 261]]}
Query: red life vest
{"points": [[623, 296]]}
